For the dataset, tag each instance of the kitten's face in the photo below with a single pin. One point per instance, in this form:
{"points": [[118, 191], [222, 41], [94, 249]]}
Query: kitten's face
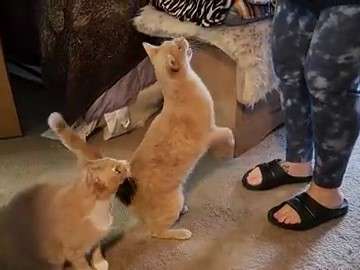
{"points": [[170, 57], [105, 175]]}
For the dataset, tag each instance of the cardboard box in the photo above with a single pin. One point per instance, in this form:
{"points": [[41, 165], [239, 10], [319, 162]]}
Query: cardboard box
{"points": [[9, 121]]}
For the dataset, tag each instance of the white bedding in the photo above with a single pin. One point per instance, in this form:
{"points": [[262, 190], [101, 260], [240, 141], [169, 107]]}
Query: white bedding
{"points": [[248, 45]]}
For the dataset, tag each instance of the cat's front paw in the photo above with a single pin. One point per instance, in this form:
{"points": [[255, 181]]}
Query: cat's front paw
{"points": [[182, 234], [103, 265], [176, 234]]}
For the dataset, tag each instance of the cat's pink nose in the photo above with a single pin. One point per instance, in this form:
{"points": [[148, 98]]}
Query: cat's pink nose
{"points": [[182, 42]]}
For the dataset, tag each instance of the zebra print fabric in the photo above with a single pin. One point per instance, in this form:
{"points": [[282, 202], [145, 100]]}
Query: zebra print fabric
{"points": [[202, 12]]}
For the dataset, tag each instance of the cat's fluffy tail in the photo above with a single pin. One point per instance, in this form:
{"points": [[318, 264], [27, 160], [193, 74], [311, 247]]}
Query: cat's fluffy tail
{"points": [[71, 139]]}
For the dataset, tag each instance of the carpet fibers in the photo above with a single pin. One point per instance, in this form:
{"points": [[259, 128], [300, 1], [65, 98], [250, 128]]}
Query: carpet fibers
{"points": [[230, 230]]}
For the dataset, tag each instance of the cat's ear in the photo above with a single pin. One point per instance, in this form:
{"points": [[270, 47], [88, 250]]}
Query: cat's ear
{"points": [[151, 50], [173, 63]]}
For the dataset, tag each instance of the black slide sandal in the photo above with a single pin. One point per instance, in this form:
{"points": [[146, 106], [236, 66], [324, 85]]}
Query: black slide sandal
{"points": [[273, 175], [311, 213]]}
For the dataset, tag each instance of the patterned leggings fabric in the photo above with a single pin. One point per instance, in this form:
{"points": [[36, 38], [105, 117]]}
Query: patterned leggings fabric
{"points": [[317, 59]]}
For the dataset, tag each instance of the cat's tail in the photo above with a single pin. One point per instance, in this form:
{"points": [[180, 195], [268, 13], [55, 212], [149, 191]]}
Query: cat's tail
{"points": [[71, 139]]}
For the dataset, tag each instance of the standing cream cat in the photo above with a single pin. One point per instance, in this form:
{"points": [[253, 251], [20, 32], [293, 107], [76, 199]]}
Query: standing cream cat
{"points": [[53, 223], [175, 141]]}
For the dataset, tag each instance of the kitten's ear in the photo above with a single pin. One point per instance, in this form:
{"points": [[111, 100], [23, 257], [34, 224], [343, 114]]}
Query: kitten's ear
{"points": [[173, 64], [151, 50]]}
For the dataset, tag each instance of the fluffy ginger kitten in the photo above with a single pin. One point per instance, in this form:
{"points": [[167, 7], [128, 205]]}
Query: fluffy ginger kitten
{"points": [[63, 222], [177, 138]]}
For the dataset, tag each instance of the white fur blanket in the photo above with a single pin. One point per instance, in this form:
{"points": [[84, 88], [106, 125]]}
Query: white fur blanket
{"points": [[248, 45]]}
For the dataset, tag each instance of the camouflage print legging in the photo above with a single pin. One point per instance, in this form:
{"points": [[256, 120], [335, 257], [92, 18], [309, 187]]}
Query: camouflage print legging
{"points": [[317, 59]]}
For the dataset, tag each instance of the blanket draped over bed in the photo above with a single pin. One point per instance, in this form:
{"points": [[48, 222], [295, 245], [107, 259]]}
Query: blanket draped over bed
{"points": [[134, 98], [248, 45], [87, 45]]}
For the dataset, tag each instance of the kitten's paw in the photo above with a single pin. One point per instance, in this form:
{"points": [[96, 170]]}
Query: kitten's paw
{"points": [[56, 121], [183, 234], [103, 265], [176, 234]]}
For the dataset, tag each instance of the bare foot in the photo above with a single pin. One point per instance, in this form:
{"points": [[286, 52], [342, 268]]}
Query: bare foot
{"points": [[330, 198], [294, 169]]}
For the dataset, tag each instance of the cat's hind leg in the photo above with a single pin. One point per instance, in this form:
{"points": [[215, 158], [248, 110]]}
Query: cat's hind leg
{"points": [[98, 261], [160, 226], [222, 143]]}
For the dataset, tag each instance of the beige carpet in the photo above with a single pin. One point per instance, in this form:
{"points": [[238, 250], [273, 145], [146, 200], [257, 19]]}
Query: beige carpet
{"points": [[230, 230]]}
